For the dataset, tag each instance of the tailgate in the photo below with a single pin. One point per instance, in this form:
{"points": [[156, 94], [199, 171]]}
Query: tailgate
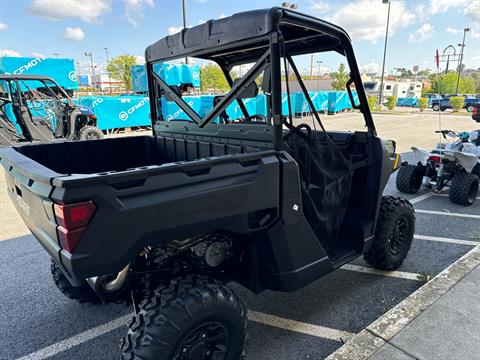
{"points": [[29, 187]]}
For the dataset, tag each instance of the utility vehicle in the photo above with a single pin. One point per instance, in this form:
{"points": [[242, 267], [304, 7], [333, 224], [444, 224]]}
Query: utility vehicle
{"points": [[167, 220], [455, 164], [35, 108]]}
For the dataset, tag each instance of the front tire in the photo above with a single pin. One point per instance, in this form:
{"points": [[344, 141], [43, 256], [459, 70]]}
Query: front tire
{"points": [[409, 178], [393, 234], [436, 107], [193, 317], [90, 132], [464, 188], [82, 294]]}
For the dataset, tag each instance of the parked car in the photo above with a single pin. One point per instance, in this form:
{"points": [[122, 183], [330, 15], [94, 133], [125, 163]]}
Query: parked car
{"points": [[476, 113], [167, 221], [444, 103]]}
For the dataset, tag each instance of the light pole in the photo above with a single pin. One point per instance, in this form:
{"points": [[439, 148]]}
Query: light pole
{"points": [[108, 72], [89, 54], [384, 52], [184, 16], [319, 62], [462, 45]]}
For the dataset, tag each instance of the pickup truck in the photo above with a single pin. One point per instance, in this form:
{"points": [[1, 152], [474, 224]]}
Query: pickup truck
{"points": [[444, 103], [166, 221]]}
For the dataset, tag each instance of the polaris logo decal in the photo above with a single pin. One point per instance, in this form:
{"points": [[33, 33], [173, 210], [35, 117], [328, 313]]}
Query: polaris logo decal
{"points": [[22, 204], [123, 115], [31, 64]]}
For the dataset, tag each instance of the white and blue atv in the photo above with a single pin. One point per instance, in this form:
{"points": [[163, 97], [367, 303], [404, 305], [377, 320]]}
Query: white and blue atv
{"points": [[455, 164]]}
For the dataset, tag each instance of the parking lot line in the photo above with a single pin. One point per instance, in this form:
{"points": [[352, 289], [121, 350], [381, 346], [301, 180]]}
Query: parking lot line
{"points": [[421, 198], [472, 216], [368, 270], [255, 316], [77, 339], [447, 240], [300, 327]]}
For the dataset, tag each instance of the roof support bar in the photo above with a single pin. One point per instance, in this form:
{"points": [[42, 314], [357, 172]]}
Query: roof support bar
{"points": [[241, 86], [178, 100], [230, 83]]}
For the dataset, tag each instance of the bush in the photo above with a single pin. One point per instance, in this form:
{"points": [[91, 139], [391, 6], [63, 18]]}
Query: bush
{"points": [[422, 103], [372, 102], [391, 102], [456, 102]]}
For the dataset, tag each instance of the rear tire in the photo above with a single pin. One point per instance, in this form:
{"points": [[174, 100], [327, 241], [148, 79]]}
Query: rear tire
{"points": [[82, 294], [90, 132], [469, 108], [476, 170], [393, 234], [188, 318], [464, 188], [409, 179]]}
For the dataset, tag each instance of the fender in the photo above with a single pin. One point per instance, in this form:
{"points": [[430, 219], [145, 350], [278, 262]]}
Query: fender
{"points": [[421, 155]]}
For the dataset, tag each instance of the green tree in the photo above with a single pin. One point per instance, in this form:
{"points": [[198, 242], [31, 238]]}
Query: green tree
{"points": [[119, 69], [447, 84], [340, 78], [212, 78]]}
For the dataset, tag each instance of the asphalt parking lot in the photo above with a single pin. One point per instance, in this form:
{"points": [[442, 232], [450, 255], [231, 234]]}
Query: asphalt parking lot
{"points": [[37, 322]]}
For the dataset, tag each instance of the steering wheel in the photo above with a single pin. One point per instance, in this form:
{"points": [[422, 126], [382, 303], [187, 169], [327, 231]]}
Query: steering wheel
{"points": [[250, 119]]}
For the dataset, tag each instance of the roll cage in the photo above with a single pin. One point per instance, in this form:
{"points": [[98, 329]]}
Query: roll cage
{"points": [[262, 37]]}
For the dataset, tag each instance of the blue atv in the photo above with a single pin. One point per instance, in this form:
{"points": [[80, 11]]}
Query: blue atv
{"points": [[35, 108]]}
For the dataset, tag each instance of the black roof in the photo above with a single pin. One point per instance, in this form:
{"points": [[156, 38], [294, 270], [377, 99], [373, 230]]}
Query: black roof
{"points": [[24, 77], [244, 37]]}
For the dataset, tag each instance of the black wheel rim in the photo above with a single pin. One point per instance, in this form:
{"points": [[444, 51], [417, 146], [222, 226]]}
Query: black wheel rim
{"points": [[472, 193], [399, 236], [208, 341]]}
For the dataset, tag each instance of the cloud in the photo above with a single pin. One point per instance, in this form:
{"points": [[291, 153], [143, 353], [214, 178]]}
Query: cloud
{"points": [[74, 34], [3, 26], [367, 19], [372, 68], [452, 30], [475, 33], [174, 29], [38, 55], [139, 59], [85, 10], [7, 52], [441, 6], [473, 11], [135, 9], [319, 7], [422, 34]]}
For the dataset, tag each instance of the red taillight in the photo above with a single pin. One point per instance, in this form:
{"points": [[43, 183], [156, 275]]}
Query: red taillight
{"points": [[435, 159], [72, 220]]}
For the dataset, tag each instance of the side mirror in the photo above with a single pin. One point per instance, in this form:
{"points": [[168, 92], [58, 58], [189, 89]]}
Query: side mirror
{"points": [[250, 92], [391, 147]]}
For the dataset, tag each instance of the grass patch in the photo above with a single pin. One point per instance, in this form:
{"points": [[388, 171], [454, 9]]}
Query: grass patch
{"points": [[475, 237], [424, 277]]}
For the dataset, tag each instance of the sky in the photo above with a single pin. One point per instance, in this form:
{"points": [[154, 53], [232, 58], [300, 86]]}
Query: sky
{"points": [[69, 28]]}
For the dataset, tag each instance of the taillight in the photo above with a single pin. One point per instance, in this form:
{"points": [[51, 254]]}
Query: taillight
{"points": [[435, 159], [72, 220]]}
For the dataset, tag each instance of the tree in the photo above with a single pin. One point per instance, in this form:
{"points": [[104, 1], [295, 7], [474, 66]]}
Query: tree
{"points": [[211, 77], [340, 78], [391, 102], [119, 69], [447, 84]]}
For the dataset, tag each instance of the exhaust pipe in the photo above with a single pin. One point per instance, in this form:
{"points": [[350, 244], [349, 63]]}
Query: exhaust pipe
{"points": [[105, 286]]}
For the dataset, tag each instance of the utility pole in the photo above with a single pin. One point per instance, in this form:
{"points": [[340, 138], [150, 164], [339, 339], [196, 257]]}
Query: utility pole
{"points": [[384, 52], [319, 62], [90, 55], [184, 13], [108, 72], [462, 45]]}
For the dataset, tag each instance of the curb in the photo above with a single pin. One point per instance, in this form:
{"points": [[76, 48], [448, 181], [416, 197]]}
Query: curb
{"points": [[381, 331]]}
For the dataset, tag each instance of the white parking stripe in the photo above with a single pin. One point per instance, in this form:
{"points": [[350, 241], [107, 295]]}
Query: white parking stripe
{"points": [[368, 270], [299, 327], [439, 194], [447, 240], [77, 339], [472, 216], [266, 319], [421, 198]]}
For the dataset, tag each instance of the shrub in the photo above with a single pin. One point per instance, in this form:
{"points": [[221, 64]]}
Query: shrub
{"points": [[391, 102], [422, 103], [372, 102], [456, 102]]}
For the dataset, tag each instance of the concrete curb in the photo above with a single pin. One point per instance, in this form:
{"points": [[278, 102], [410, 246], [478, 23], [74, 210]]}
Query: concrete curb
{"points": [[377, 334]]}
